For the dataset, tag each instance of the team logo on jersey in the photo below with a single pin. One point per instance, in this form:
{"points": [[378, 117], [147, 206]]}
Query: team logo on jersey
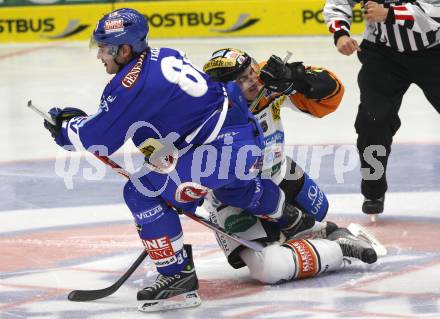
{"points": [[238, 223], [189, 192], [130, 79]]}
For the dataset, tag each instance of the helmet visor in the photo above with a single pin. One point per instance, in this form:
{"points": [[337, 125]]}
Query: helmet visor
{"points": [[255, 66], [103, 50]]}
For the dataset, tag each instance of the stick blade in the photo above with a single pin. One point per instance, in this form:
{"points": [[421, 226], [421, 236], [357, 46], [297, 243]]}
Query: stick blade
{"points": [[89, 295]]}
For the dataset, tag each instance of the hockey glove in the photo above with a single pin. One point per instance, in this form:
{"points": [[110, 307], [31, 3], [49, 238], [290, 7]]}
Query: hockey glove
{"points": [[59, 116], [280, 77]]}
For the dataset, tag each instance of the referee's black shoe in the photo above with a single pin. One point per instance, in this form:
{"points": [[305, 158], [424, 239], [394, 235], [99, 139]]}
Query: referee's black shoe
{"points": [[373, 206]]}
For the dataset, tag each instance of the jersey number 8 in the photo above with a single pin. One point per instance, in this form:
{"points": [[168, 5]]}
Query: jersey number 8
{"points": [[184, 75]]}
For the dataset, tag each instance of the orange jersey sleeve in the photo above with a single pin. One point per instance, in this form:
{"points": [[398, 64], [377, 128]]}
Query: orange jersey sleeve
{"points": [[323, 106]]}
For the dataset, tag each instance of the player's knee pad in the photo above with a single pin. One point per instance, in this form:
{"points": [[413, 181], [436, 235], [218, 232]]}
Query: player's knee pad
{"points": [[143, 209], [133, 197], [129, 192], [274, 264], [302, 191], [315, 256]]}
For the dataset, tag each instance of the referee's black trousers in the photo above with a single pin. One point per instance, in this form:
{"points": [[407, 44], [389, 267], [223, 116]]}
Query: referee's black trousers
{"points": [[384, 77]]}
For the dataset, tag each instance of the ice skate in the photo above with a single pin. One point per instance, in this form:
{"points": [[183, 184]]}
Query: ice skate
{"points": [[172, 292], [353, 246]]}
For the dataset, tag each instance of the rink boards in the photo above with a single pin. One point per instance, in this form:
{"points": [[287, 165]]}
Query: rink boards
{"points": [[172, 19]]}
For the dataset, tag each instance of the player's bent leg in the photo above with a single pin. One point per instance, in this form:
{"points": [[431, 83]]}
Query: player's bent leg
{"points": [[273, 265], [161, 233], [314, 256], [263, 198], [301, 191], [294, 259]]}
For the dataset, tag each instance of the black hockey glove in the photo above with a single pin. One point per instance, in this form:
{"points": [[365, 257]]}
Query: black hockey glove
{"points": [[283, 78], [60, 115]]}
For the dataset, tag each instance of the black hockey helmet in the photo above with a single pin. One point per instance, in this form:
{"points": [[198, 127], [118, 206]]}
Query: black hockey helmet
{"points": [[226, 64]]}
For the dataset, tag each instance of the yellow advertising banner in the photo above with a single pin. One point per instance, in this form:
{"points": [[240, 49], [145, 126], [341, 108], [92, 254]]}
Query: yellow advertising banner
{"points": [[238, 18], [49, 23], [173, 19]]}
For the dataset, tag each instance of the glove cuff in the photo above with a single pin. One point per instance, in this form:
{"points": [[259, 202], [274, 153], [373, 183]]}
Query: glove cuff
{"points": [[339, 34], [289, 90]]}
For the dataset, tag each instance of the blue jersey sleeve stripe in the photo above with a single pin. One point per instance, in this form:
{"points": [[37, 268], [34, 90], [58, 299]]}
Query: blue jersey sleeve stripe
{"points": [[221, 116], [73, 134]]}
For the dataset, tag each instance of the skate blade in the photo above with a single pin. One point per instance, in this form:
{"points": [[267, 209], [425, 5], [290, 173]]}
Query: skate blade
{"points": [[186, 300], [363, 233]]}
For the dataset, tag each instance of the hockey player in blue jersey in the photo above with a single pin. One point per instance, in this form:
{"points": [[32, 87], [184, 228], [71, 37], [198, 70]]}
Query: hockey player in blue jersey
{"points": [[197, 136]]}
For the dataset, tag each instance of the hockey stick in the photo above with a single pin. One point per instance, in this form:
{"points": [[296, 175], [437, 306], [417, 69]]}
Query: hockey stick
{"points": [[89, 295], [263, 91]]}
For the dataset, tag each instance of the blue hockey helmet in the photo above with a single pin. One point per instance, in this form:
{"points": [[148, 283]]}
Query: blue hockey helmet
{"points": [[122, 26]]}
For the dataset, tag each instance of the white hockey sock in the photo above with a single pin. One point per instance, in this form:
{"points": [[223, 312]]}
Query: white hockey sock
{"points": [[315, 256], [295, 259], [274, 264]]}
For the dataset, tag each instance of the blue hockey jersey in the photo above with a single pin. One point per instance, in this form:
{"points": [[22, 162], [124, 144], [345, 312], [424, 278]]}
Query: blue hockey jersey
{"points": [[155, 94]]}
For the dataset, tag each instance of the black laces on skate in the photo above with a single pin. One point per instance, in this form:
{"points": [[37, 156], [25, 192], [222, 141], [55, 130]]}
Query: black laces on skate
{"points": [[162, 281]]}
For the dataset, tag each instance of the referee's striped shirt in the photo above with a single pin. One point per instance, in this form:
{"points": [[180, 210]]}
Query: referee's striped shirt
{"points": [[409, 26]]}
